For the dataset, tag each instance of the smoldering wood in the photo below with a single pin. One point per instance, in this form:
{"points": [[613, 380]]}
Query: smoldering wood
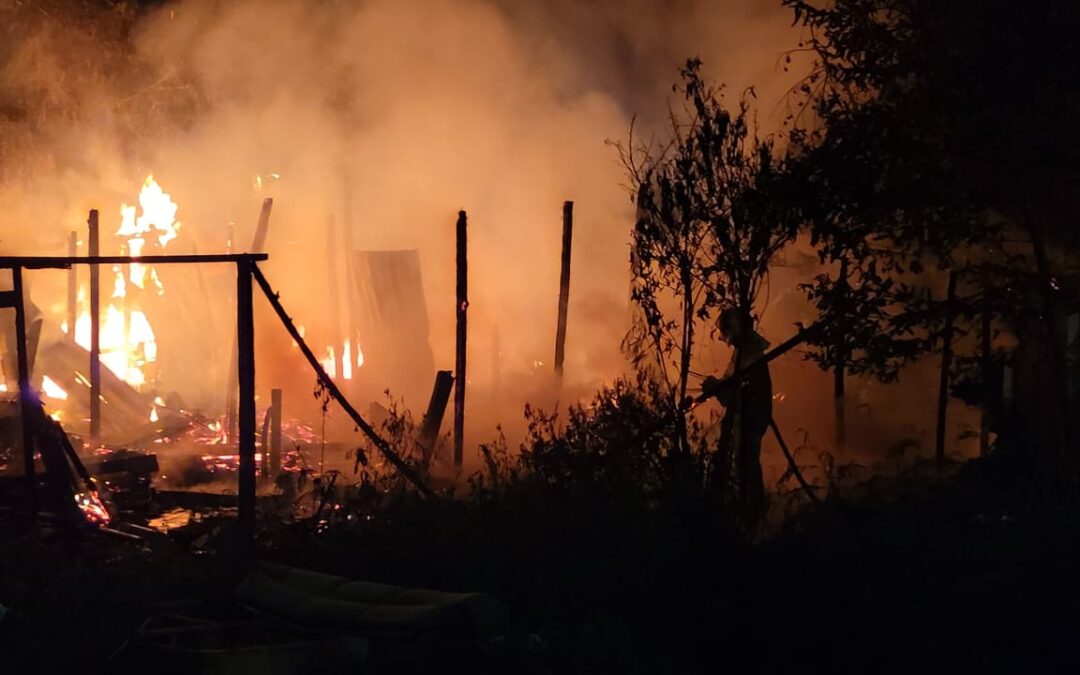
{"points": [[95, 328], [332, 389], [124, 406], [461, 347], [245, 334], [258, 243], [564, 287], [440, 396], [72, 287], [133, 463], [946, 364]]}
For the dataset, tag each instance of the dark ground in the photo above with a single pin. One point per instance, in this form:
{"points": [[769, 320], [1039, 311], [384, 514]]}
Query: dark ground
{"points": [[912, 574]]}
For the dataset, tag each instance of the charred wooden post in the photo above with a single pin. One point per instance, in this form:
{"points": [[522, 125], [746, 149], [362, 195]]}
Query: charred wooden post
{"points": [[440, 396], [946, 363], [257, 246], [95, 330], [72, 287], [564, 286], [27, 398], [275, 432], [462, 336], [245, 334]]}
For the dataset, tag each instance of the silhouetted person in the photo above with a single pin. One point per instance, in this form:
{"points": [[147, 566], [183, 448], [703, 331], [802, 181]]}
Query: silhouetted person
{"points": [[748, 407]]}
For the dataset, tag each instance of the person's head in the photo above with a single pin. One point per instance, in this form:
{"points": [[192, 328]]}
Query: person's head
{"points": [[733, 323]]}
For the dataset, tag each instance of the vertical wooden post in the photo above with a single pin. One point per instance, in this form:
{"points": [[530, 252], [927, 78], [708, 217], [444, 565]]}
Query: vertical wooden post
{"points": [[72, 287], [27, 398], [351, 299], [946, 363], [332, 253], [462, 335], [257, 246], [986, 339], [840, 366], [564, 286], [275, 432], [95, 330], [496, 367], [245, 334]]}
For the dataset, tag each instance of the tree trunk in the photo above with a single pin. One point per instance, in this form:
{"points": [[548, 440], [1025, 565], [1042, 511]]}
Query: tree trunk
{"points": [[946, 363], [840, 366]]}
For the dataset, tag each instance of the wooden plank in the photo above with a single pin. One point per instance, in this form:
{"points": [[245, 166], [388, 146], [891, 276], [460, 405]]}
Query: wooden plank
{"points": [[64, 262], [564, 287], [440, 396]]}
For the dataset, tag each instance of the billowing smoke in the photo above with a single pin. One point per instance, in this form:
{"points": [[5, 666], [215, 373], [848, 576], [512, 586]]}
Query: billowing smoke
{"points": [[388, 115]]}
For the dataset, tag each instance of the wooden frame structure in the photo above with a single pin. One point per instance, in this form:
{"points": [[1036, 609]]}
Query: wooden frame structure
{"points": [[245, 331]]}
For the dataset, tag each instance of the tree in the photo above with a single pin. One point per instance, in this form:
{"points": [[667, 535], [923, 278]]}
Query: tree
{"points": [[920, 119], [709, 220]]}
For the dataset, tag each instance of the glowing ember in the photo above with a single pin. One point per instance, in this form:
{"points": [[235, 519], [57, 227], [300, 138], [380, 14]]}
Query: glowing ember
{"points": [[92, 508], [154, 414], [52, 389]]}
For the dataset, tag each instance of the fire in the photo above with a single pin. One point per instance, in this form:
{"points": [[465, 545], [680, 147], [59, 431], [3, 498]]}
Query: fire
{"points": [[92, 508], [329, 362], [52, 389], [128, 342], [346, 361]]}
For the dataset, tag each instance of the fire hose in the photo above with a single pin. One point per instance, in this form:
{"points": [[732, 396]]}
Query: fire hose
{"points": [[738, 377]]}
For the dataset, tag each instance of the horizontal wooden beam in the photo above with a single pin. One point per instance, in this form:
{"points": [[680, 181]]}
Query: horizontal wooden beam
{"points": [[64, 262]]}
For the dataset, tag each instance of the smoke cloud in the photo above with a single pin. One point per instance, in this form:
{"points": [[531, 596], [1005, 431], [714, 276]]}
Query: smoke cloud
{"points": [[407, 111]]}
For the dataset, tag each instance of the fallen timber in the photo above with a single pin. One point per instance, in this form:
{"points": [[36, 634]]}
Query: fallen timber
{"points": [[332, 389]]}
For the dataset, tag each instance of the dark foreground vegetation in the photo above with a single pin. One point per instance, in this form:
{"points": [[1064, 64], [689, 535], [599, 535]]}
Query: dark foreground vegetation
{"points": [[934, 569]]}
